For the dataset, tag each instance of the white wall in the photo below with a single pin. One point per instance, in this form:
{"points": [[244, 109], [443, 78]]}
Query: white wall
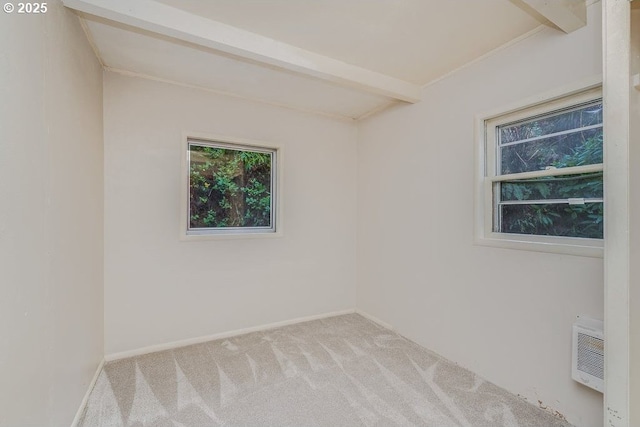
{"points": [[634, 177], [51, 217], [505, 314], [159, 289]]}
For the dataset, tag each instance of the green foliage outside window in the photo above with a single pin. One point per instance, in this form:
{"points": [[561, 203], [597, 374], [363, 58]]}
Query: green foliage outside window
{"points": [[577, 148], [229, 188]]}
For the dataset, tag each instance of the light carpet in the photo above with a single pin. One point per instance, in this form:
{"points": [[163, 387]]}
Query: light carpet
{"points": [[339, 371]]}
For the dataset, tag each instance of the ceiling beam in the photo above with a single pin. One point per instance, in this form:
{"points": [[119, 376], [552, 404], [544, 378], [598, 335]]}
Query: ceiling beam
{"points": [[175, 23], [566, 15]]}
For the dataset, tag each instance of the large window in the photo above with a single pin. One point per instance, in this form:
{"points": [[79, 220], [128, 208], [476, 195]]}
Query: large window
{"points": [[231, 188], [544, 172]]}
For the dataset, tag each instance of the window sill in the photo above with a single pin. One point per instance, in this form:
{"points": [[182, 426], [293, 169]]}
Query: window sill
{"points": [[229, 236], [592, 248]]}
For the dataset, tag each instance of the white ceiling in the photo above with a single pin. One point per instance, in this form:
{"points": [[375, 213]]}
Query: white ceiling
{"points": [[124, 48], [406, 42], [413, 40]]}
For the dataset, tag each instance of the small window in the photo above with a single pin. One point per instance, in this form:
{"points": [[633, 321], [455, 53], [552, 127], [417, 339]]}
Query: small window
{"points": [[232, 188], [543, 178]]}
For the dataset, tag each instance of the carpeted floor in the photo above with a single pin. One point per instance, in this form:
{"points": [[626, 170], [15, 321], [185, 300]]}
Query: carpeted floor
{"points": [[340, 371]]}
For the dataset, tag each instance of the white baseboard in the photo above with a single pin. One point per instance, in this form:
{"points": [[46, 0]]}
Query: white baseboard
{"points": [[85, 399], [374, 319], [221, 335]]}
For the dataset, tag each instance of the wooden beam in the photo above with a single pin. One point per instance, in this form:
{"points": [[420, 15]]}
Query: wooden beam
{"points": [[566, 15], [172, 22]]}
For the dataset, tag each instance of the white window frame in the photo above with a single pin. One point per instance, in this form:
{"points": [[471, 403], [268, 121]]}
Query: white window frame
{"points": [[487, 173], [276, 228]]}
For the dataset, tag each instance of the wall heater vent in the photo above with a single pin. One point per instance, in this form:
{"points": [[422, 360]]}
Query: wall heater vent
{"points": [[588, 353]]}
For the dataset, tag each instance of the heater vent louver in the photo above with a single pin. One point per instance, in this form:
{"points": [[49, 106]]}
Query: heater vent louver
{"points": [[591, 355], [588, 353]]}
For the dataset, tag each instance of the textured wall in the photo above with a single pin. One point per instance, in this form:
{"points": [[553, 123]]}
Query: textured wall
{"points": [[51, 217], [505, 314], [160, 289]]}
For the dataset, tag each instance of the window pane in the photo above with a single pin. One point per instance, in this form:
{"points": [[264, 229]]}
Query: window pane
{"points": [[573, 149], [229, 187], [556, 122], [553, 220], [588, 186]]}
